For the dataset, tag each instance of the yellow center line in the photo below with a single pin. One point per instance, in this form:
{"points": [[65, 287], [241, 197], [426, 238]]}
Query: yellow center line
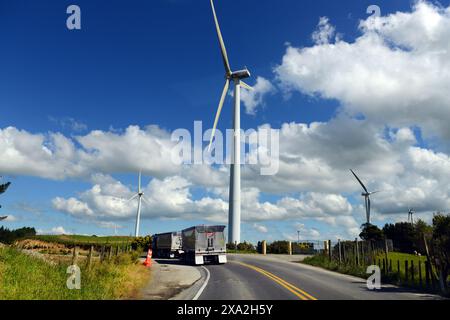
{"points": [[297, 291]]}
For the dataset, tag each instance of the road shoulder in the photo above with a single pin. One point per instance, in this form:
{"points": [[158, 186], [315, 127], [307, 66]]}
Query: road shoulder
{"points": [[172, 280]]}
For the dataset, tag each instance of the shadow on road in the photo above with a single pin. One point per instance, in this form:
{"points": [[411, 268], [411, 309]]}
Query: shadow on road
{"points": [[393, 289]]}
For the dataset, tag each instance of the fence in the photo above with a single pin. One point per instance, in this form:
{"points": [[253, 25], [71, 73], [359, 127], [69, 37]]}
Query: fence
{"points": [[401, 269], [104, 252]]}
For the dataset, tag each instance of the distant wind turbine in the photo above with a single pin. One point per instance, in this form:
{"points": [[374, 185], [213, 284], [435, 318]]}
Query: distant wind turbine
{"points": [[140, 196], [234, 211], [410, 216], [366, 194]]}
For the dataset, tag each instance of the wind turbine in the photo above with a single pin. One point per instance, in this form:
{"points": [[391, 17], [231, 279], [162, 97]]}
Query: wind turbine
{"points": [[140, 196], [366, 194], [410, 216], [234, 209]]}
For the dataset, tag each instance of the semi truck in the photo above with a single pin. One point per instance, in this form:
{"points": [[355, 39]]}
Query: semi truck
{"points": [[203, 244], [167, 245]]}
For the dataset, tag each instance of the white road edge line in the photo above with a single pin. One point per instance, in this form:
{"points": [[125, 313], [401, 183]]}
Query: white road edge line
{"points": [[200, 291]]}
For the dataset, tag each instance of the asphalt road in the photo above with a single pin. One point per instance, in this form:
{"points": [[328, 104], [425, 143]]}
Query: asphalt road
{"points": [[253, 277]]}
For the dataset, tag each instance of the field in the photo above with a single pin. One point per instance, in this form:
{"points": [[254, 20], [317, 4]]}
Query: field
{"points": [[84, 240], [26, 277]]}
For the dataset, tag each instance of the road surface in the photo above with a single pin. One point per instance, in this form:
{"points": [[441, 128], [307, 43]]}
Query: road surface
{"points": [[255, 277]]}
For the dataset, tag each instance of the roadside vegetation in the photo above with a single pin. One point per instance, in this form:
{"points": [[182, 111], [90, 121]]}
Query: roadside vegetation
{"points": [[241, 248], [419, 256], [27, 277]]}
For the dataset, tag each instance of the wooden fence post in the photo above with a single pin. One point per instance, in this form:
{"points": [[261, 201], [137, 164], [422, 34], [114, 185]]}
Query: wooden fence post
{"points": [[406, 272], [412, 272], [102, 254], [75, 255], [340, 253], [110, 253], [427, 274], [357, 251], [89, 262], [420, 274], [386, 250], [390, 265], [330, 250], [398, 268]]}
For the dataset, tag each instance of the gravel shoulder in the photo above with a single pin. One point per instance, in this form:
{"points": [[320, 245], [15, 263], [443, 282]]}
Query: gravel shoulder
{"points": [[172, 280]]}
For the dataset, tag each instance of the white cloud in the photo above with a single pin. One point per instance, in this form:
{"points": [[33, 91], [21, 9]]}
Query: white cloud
{"points": [[324, 33], [10, 218], [254, 98], [260, 228], [396, 73]]}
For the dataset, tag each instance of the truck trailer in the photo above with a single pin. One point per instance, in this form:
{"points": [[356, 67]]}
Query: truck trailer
{"points": [[167, 245], [202, 244]]}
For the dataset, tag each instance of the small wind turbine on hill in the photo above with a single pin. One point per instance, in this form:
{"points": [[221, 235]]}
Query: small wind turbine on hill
{"points": [[140, 196], [410, 216], [234, 211], [366, 194]]}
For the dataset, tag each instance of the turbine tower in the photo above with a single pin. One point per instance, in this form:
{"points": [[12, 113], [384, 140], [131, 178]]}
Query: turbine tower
{"points": [[234, 203], [410, 216], [366, 194], [140, 196]]}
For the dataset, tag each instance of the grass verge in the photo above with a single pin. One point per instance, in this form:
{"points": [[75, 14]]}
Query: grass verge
{"points": [[23, 277]]}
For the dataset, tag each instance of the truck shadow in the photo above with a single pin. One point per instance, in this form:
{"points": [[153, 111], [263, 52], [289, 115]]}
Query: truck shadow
{"points": [[170, 261]]}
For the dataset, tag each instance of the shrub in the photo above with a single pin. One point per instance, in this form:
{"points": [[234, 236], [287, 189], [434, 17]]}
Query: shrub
{"points": [[141, 243]]}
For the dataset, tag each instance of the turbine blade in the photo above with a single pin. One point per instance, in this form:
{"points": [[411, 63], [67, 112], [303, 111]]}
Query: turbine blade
{"points": [[219, 110], [223, 50], [246, 86], [133, 197], [360, 182], [145, 200]]}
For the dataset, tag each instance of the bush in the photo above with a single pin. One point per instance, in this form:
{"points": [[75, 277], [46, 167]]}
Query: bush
{"points": [[141, 243], [244, 246], [278, 247]]}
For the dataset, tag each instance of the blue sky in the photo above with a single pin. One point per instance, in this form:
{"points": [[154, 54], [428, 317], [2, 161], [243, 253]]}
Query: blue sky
{"points": [[140, 63]]}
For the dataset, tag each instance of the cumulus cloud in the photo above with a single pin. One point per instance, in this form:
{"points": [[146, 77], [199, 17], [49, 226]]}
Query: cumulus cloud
{"points": [[254, 98], [395, 73], [324, 33], [260, 228]]}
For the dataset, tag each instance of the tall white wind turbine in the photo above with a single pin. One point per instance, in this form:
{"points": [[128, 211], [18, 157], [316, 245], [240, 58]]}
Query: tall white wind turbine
{"points": [[140, 196], [234, 210], [366, 194]]}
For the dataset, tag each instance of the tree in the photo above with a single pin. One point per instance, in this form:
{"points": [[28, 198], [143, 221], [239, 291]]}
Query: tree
{"points": [[3, 188], [371, 232], [403, 236]]}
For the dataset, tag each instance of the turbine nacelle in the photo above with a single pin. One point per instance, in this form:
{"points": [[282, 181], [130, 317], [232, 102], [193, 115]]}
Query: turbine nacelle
{"points": [[241, 74]]}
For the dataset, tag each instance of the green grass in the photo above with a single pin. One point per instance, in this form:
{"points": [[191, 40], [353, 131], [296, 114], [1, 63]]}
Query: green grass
{"points": [[23, 277], [84, 240], [324, 262], [394, 276]]}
